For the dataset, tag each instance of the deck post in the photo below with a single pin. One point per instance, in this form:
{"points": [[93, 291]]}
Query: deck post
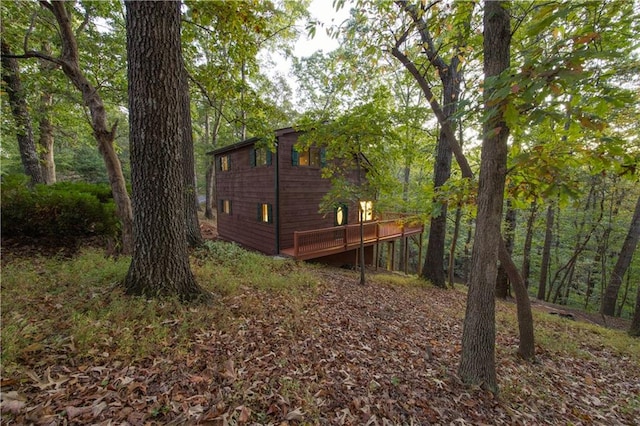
{"points": [[420, 254], [406, 253], [295, 244]]}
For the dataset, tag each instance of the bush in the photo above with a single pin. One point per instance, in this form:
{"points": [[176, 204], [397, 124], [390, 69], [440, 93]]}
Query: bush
{"points": [[60, 210]]}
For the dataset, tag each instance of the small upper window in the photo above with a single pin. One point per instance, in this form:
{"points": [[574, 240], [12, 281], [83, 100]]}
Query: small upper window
{"points": [[260, 157], [224, 163], [312, 157]]}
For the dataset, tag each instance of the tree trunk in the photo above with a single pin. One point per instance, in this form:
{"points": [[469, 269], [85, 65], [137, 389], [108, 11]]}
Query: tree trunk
{"points": [[210, 196], [634, 329], [160, 262], [71, 66], [622, 264], [526, 346], [433, 269], [546, 253], [502, 281], [452, 247], [192, 226], [477, 364], [18, 102], [45, 141], [526, 250]]}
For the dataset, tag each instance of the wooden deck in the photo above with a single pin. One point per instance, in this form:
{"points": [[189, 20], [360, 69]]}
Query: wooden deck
{"points": [[337, 239]]}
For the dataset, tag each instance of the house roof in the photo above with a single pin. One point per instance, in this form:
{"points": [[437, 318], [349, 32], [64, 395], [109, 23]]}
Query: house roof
{"points": [[250, 141]]}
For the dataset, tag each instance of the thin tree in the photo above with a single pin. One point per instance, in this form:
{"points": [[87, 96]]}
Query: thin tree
{"points": [[156, 75], [622, 264], [477, 364], [24, 130], [634, 329]]}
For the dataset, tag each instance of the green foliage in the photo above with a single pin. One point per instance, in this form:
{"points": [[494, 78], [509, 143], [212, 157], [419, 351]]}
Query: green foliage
{"points": [[60, 210], [234, 267]]}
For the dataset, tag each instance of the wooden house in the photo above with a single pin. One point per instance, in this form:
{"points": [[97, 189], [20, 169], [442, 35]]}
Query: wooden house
{"points": [[269, 201]]}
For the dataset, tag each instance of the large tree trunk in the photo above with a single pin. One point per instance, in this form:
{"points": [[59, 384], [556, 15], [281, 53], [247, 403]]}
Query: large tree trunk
{"points": [[546, 253], [18, 102], [160, 262], [477, 364], [104, 135], [624, 260]]}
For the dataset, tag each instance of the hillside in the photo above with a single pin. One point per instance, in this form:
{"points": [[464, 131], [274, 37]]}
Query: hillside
{"points": [[285, 343]]}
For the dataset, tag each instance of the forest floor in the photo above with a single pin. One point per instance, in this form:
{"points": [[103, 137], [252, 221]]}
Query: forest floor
{"points": [[286, 343]]}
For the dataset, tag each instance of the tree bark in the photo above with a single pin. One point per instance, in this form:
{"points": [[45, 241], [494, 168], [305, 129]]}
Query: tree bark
{"points": [[210, 201], [18, 102], [192, 225], [634, 329], [502, 281], [526, 346], [45, 140], [622, 264], [477, 364], [160, 262]]}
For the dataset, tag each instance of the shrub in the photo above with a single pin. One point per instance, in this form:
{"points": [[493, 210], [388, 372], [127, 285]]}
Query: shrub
{"points": [[64, 209]]}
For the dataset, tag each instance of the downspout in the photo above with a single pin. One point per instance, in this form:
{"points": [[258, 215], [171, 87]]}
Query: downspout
{"points": [[276, 216]]}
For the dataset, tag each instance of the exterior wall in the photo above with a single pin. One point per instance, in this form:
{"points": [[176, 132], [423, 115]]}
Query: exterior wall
{"points": [[301, 192], [301, 189], [246, 187]]}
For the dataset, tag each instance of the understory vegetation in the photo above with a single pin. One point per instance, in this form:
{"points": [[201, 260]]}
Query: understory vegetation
{"points": [[288, 342]]}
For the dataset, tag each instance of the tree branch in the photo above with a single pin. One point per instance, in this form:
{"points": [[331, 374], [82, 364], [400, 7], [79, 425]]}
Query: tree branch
{"points": [[437, 110], [39, 55]]}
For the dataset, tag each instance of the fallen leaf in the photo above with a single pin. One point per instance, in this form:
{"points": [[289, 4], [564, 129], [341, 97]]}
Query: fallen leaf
{"points": [[296, 414]]}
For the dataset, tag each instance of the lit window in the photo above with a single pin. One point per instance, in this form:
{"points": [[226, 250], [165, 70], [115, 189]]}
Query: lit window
{"points": [[224, 163], [366, 210], [312, 157], [342, 215], [265, 213], [225, 206]]}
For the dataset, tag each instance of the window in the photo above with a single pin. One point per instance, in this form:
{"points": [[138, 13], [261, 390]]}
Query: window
{"points": [[265, 213], [260, 157], [224, 163], [366, 210], [312, 157], [225, 206], [342, 215]]}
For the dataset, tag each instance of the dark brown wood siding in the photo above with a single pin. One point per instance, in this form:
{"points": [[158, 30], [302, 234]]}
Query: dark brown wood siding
{"points": [[246, 187], [301, 192]]}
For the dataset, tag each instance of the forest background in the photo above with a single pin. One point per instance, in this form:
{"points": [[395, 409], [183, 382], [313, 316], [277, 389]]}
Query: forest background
{"points": [[572, 180], [551, 89]]}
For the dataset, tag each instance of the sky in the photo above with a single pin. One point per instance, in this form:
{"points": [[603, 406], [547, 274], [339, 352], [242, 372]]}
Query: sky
{"points": [[323, 12]]}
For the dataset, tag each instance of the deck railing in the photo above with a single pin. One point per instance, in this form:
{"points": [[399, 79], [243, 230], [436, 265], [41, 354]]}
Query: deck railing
{"points": [[325, 241]]}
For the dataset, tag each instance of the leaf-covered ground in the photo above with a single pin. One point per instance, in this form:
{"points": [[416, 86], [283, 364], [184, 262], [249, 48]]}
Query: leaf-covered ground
{"points": [[327, 352]]}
